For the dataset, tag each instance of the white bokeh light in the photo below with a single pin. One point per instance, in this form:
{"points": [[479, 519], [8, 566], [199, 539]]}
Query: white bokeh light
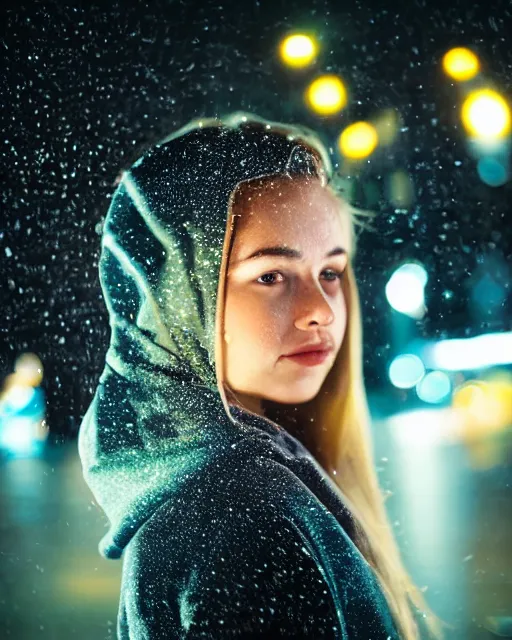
{"points": [[405, 290]]}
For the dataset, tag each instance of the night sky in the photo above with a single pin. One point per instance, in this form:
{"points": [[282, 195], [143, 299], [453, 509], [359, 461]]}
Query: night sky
{"points": [[86, 88]]}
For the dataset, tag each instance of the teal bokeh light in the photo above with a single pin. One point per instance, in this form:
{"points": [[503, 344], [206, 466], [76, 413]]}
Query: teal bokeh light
{"points": [[493, 171], [434, 387], [406, 371]]}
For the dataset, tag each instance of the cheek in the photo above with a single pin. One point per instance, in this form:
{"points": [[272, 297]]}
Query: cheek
{"points": [[241, 315], [250, 322]]}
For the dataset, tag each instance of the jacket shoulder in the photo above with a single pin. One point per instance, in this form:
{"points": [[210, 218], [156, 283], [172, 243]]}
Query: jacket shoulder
{"points": [[228, 560]]}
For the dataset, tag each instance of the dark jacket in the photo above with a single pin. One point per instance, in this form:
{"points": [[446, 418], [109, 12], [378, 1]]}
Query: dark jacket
{"points": [[229, 526]]}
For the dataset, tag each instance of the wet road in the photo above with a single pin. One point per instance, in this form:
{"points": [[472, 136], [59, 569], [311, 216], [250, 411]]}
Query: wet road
{"points": [[453, 523]]}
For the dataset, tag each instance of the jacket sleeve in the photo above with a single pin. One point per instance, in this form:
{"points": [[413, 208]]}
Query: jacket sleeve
{"points": [[252, 575], [261, 580]]}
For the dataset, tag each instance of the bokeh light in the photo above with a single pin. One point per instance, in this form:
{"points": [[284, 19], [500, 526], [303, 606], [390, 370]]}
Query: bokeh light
{"points": [[493, 171], [29, 369], [405, 289], [326, 95], [22, 409], [484, 413], [485, 403], [406, 371], [18, 436], [387, 125], [298, 50], [486, 115], [17, 398], [400, 190], [434, 387], [470, 354], [461, 64], [358, 140], [488, 294]]}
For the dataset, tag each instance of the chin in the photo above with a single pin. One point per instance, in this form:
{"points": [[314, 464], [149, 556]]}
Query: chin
{"points": [[291, 396]]}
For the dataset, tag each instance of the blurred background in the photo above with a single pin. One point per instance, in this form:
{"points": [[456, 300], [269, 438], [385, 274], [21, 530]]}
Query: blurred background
{"points": [[413, 101]]}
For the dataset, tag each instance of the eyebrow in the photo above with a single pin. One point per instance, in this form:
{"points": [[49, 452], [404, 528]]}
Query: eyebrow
{"points": [[287, 252]]}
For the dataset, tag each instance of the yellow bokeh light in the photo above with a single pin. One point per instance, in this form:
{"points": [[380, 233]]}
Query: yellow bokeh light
{"points": [[484, 404], [326, 95], [470, 396], [28, 372], [358, 140], [486, 114], [298, 50], [461, 64]]}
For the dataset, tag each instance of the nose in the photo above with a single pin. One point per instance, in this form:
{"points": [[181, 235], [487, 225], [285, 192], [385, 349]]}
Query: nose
{"points": [[312, 307]]}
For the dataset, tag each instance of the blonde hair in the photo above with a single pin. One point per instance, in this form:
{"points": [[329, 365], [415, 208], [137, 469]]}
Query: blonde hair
{"points": [[341, 440]]}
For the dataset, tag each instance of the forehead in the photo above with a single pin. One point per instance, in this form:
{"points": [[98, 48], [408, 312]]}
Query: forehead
{"points": [[295, 211]]}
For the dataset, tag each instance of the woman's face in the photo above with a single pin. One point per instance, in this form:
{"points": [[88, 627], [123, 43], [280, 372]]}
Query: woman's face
{"points": [[276, 304]]}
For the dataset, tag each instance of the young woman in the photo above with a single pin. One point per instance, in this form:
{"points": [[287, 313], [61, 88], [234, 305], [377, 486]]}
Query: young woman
{"points": [[238, 477]]}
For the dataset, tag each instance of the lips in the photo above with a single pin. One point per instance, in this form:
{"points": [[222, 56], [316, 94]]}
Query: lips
{"points": [[322, 347], [309, 358]]}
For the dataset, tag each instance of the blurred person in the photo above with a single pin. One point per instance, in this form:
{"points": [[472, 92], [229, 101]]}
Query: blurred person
{"points": [[239, 480]]}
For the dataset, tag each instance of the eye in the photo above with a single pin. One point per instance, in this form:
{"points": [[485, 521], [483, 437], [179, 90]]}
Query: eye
{"points": [[334, 275], [338, 275], [265, 275]]}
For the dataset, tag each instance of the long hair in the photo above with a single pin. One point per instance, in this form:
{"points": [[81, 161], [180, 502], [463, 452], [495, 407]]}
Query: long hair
{"points": [[337, 431]]}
